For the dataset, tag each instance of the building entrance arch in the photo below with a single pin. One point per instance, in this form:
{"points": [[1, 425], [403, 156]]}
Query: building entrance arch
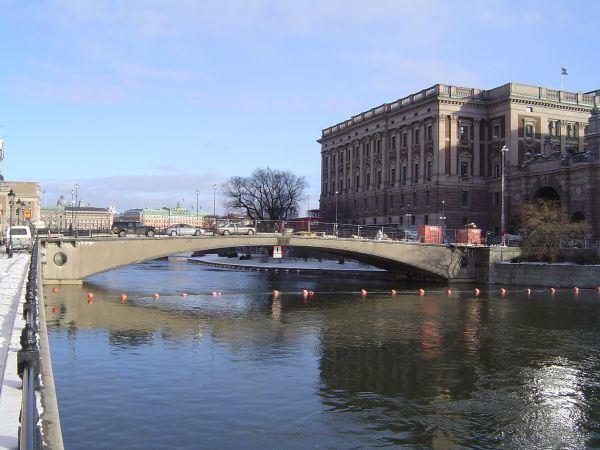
{"points": [[547, 194]]}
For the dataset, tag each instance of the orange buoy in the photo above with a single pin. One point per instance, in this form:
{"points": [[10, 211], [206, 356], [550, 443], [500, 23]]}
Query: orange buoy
{"points": [[476, 291], [502, 291], [275, 293], [55, 290], [552, 290], [363, 292], [90, 301], [123, 298], [393, 292], [89, 295], [421, 292], [311, 293], [54, 309], [155, 295], [575, 290], [449, 291]]}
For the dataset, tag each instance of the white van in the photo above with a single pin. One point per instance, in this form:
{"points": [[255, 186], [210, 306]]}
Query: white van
{"points": [[21, 237]]}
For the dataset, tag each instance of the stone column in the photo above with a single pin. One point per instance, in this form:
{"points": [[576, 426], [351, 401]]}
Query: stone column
{"points": [[476, 149], [409, 166], [422, 149], [453, 145], [439, 144]]}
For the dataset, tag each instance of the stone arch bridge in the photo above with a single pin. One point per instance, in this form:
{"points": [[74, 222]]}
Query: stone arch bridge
{"points": [[70, 261]]}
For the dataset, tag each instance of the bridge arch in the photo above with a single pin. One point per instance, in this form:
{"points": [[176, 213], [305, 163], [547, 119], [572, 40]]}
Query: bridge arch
{"points": [[71, 260]]}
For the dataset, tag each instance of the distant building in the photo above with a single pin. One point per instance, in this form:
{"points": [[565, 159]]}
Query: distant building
{"points": [[162, 218], [80, 217], [27, 202], [434, 157]]}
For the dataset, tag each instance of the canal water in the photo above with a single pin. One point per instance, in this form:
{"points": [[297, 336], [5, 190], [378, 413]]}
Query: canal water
{"points": [[337, 370]]}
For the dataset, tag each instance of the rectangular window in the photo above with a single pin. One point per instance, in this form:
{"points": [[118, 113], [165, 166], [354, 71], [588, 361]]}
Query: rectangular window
{"points": [[401, 199], [325, 188], [326, 162], [464, 132], [497, 170], [464, 169], [496, 198], [416, 173], [464, 198], [529, 130], [368, 148], [333, 162], [404, 175], [413, 220], [430, 133], [415, 198], [379, 178], [426, 199], [429, 170], [364, 203], [379, 146], [496, 132], [391, 200], [393, 142], [341, 188], [393, 177], [404, 139], [426, 219], [368, 186], [401, 220], [417, 135], [357, 182]]}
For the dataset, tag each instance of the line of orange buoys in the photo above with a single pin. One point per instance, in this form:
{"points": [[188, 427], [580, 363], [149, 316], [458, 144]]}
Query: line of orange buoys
{"points": [[307, 293]]}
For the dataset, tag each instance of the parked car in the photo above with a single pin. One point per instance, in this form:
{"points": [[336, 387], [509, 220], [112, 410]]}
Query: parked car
{"points": [[123, 228], [183, 229], [21, 237], [235, 228]]}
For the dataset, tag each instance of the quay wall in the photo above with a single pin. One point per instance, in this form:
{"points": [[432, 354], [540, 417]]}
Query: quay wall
{"points": [[540, 274]]}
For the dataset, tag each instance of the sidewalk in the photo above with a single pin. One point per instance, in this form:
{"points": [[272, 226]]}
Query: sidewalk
{"points": [[13, 274]]}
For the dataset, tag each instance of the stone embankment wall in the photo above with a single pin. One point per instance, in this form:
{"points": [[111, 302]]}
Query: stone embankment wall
{"points": [[539, 274]]}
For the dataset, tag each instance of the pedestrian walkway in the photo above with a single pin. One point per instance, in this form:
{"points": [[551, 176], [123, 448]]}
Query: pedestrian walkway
{"points": [[13, 274]]}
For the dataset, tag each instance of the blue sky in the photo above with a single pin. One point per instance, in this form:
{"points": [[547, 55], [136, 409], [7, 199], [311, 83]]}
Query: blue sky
{"points": [[143, 102]]}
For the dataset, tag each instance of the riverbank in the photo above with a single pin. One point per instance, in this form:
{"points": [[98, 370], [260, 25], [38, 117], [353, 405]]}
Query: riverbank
{"points": [[544, 274], [301, 266]]}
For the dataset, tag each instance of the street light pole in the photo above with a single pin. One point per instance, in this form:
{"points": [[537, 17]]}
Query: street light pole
{"points": [[308, 205], [502, 187], [197, 211], [11, 201], [336, 213]]}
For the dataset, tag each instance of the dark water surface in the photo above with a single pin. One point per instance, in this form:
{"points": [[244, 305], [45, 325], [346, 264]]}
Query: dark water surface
{"points": [[244, 370]]}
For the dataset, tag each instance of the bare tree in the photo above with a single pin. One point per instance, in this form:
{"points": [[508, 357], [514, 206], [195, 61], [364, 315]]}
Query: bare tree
{"points": [[547, 228], [266, 194]]}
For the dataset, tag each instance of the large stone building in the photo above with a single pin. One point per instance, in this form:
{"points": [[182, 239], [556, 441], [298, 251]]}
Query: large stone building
{"points": [[437, 154], [162, 218], [63, 217], [26, 207]]}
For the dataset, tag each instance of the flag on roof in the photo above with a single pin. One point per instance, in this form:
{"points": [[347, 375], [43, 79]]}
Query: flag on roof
{"points": [[563, 71]]}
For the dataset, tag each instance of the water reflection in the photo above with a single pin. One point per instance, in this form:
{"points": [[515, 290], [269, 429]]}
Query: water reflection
{"points": [[334, 370]]}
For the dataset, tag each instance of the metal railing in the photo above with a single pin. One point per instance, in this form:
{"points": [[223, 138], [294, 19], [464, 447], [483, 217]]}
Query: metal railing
{"points": [[28, 360]]}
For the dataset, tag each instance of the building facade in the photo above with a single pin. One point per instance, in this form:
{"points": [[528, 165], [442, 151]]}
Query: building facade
{"points": [[435, 157], [26, 207], [63, 217], [162, 218]]}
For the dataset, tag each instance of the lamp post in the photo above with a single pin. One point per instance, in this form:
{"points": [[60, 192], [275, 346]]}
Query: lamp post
{"points": [[215, 206], [11, 201], [336, 214], [503, 151], [308, 205], [197, 210], [20, 204]]}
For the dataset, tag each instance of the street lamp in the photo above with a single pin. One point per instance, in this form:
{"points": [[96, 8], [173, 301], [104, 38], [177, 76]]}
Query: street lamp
{"points": [[215, 206], [20, 204], [308, 205], [503, 150], [443, 216], [197, 210], [11, 201], [336, 214]]}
